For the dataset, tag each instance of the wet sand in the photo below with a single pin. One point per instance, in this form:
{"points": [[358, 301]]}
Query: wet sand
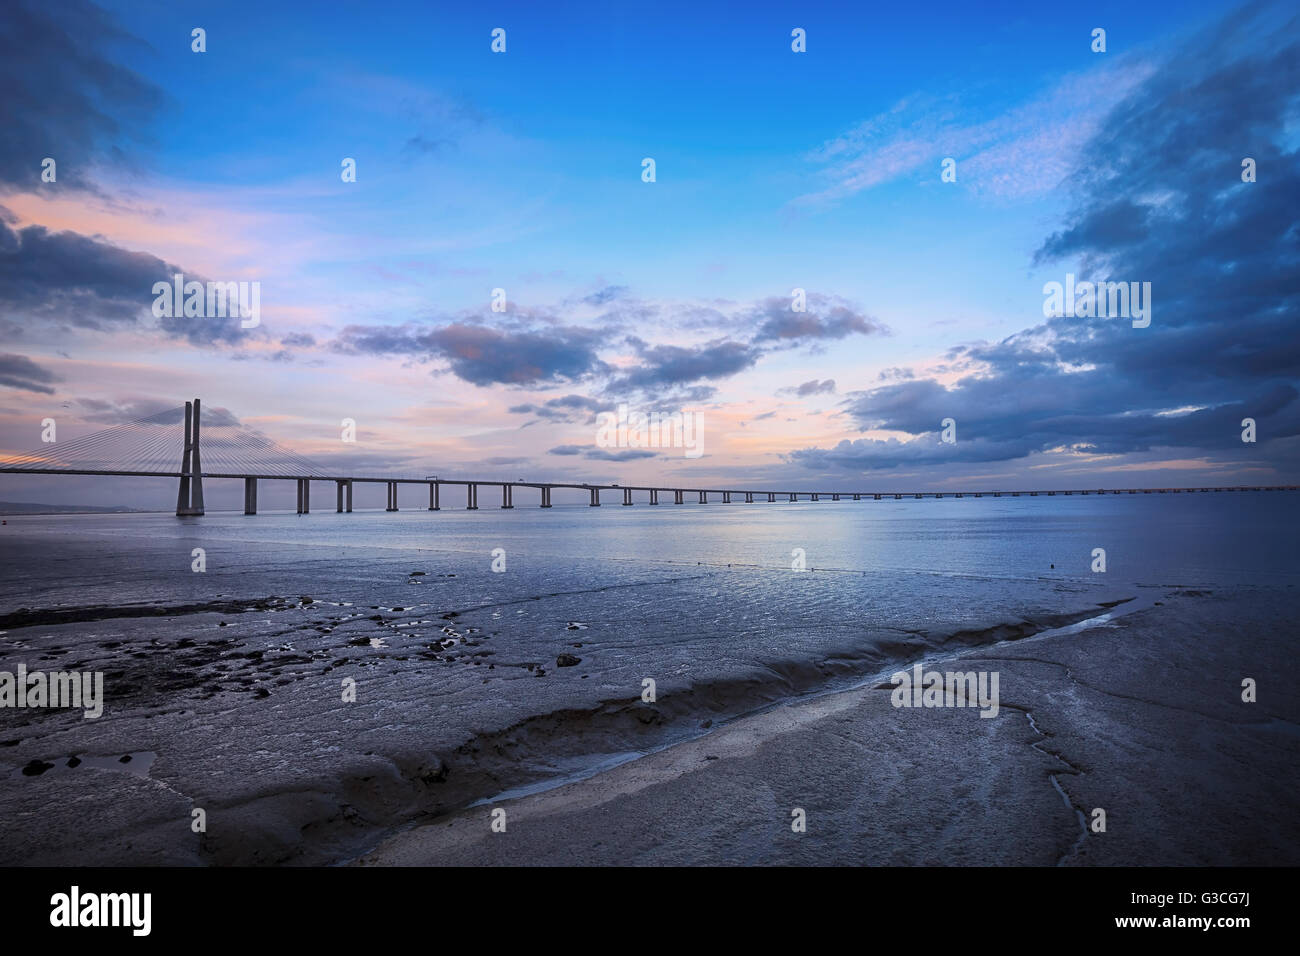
{"points": [[1142, 717]]}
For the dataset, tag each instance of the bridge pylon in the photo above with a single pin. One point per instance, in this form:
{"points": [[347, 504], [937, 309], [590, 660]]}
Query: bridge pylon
{"points": [[189, 500]]}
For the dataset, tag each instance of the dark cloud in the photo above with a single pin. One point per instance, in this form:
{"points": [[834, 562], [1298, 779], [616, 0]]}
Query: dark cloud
{"points": [[671, 365], [486, 356], [827, 317], [567, 408], [627, 454], [566, 450], [1159, 199], [298, 340], [813, 387], [18, 371], [62, 96], [75, 280]]}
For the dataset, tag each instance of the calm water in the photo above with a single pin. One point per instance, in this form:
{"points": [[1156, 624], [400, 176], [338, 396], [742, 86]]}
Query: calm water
{"points": [[225, 685]]}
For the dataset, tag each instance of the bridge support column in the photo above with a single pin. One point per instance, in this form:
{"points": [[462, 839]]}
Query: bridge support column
{"points": [[677, 496], [392, 496], [835, 497], [250, 496], [347, 497], [654, 496], [816, 497], [857, 497], [471, 497], [546, 497], [726, 497], [595, 498], [627, 496], [875, 497], [338, 496], [433, 497], [189, 499], [704, 497], [749, 497], [794, 496], [918, 497], [304, 496], [507, 496], [898, 497]]}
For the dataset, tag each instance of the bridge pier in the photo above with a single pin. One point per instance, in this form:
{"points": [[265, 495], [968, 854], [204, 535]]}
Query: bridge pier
{"points": [[654, 496], [749, 497], [898, 497], [627, 496], [595, 498], [726, 497], [304, 496], [814, 497], [771, 496], [546, 497], [857, 497], [347, 497], [677, 496], [392, 496], [189, 498], [794, 496], [471, 497], [875, 497], [434, 492], [507, 496], [704, 497], [250, 496]]}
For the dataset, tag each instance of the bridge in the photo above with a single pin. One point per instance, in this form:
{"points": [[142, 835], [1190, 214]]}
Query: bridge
{"points": [[168, 445]]}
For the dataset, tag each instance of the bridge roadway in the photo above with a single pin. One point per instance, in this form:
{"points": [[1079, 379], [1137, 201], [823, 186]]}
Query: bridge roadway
{"points": [[344, 484]]}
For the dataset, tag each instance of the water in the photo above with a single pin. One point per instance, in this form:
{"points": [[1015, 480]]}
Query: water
{"points": [[233, 676]]}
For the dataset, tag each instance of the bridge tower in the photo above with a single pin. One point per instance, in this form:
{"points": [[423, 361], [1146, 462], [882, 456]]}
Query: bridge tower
{"points": [[190, 499]]}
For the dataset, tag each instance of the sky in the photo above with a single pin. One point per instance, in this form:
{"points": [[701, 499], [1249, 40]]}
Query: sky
{"points": [[775, 170]]}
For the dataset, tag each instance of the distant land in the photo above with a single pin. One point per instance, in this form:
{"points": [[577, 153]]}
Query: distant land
{"points": [[31, 508]]}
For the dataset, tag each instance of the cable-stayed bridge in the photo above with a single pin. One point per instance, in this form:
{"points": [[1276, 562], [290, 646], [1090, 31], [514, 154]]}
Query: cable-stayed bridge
{"points": [[179, 443]]}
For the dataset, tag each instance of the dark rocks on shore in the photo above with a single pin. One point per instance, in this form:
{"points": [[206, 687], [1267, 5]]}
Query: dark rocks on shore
{"points": [[567, 660], [36, 768]]}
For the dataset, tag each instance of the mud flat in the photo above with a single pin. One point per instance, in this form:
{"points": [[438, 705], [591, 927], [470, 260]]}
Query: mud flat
{"points": [[1141, 716]]}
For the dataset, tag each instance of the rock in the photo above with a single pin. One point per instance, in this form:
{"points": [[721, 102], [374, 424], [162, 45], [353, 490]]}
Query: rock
{"points": [[36, 768], [307, 599], [567, 660]]}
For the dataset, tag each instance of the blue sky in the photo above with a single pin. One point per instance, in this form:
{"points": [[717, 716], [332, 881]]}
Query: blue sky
{"points": [[775, 170]]}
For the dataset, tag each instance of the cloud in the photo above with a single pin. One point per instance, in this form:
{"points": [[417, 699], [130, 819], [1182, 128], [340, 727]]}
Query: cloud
{"points": [[827, 317], [63, 97], [627, 454], [18, 371], [567, 408], [86, 282], [1025, 151], [813, 387], [671, 365], [486, 356], [1159, 199]]}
